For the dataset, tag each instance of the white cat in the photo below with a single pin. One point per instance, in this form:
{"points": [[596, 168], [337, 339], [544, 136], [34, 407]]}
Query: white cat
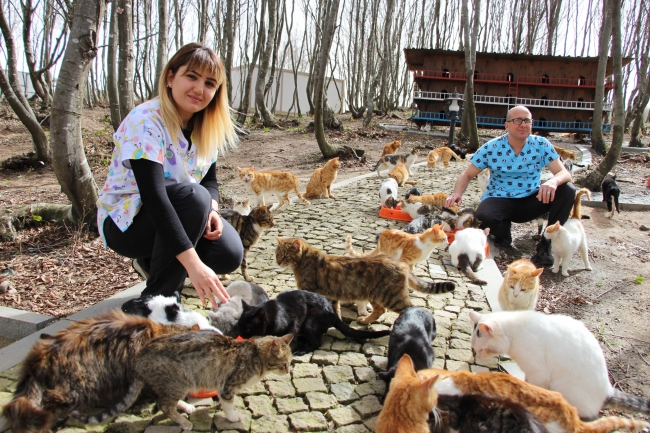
{"points": [[468, 251], [483, 179], [569, 238], [226, 316], [555, 352], [242, 206], [387, 189]]}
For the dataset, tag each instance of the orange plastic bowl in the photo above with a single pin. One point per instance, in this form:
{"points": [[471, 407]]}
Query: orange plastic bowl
{"points": [[202, 393], [394, 214]]}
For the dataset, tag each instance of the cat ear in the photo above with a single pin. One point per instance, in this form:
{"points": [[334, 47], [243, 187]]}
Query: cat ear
{"points": [[245, 306], [268, 207], [537, 272], [484, 327], [195, 328], [427, 384], [486, 231], [279, 239], [405, 367], [436, 228], [287, 338], [260, 313], [296, 245], [247, 201], [252, 168]]}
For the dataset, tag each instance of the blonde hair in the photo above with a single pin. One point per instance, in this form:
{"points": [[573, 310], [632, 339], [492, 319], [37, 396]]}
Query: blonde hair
{"points": [[213, 129]]}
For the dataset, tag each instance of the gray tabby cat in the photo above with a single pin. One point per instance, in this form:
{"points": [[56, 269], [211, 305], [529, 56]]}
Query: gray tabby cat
{"points": [[227, 315], [422, 223], [200, 360]]}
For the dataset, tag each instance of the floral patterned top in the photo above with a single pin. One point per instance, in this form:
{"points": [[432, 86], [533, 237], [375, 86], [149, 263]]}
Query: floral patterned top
{"points": [[143, 135]]}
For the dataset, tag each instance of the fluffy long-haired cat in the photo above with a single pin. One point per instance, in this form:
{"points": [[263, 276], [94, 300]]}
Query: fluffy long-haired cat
{"points": [[408, 402], [388, 162], [442, 154], [242, 206], [565, 153], [388, 189], [391, 148], [520, 287], [483, 179], [405, 247], [468, 252], [89, 362], [168, 311], [200, 360], [225, 317], [550, 407], [271, 182], [422, 223], [563, 356], [378, 279], [401, 174], [611, 192], [568, 238], [320, 182], [304, 314], [250, 228]]}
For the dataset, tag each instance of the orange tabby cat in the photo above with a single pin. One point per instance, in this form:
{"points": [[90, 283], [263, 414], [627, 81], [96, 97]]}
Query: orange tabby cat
{"points": [[391, 147], [565, 153], [401, 174], [437, 199], [270, 182], [321, 181], [405, 247], [408, 402], [520, 287], [549, 406], [443, 154]]}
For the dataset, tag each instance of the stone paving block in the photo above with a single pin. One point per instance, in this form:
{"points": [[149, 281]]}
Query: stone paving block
{"points": [[439, 363], [461, 335], [367, 406], [128, 424], [271, 424], [344, 392], [256, 388], [463, 355], [12, 373], [222, 423], [371, 423], [453, 308], [202, 418], [308, 421], [290, 405], [321, 400], [352, 428], [478, 369], [326, 342], [365, 374], [309, 384], [72, 430], [343, 416], [302, 358], [338, 373], [491, 363], [281, 389], [353, 359], [374, 387], [278, 377], [379, 362], [452, 365], [260, 405], [345, 346], [443, 332], [443, 313], [5, 397], [457, 343], [419, 302], [163, 429], [322, 357], [388, 318], [305, 370]]}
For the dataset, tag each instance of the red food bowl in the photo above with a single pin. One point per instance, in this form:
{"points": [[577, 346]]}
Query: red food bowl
{"points": [[394, 214]]}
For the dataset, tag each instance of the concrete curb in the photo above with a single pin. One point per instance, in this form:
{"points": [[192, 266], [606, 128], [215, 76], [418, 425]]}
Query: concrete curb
{"points": [[17, 324]]}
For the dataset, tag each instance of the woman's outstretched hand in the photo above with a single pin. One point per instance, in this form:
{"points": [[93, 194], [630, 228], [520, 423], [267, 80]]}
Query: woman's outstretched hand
{"points": [[204, 280]]}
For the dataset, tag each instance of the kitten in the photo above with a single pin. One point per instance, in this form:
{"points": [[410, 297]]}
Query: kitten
{"points": [[200, 360], [388, 189], [388, 162], [413, 333], [483, 179], [270, 182], [412, 191], [565, 153], [563, 356], [71, 369], [304, 314], [225, 317], [320, 182], [468, 252], [391, 148], [569, 238], [250, 228], [379, 279], [520, 287], [442, 154], [168, 311], [611, 193], [408, 402], [422, 223], [405, 247], [242, 206], [401, 174]]}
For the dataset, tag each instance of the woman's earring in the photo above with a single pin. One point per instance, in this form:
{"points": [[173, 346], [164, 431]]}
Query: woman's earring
{"points": [[169, 84]]}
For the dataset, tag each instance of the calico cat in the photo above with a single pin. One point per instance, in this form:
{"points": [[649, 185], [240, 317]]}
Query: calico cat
{"points": [[483, 179], [242, 206], [405, 247], [408, 402], [467, 218], [549, 407], [582, 377], [415, 209], [520, 287], [378, 279], [304, 314], [468, 252], [569, 238], [270, 182], [388, 189], [250, 228], [565, 153], [611, 193], [442, 154], [226, 316], [320, 182], [200, 360], [413, 333], [401, 174], [71, 370], [167, 310], [388, 162], [422, 223], [391, 203], [391, 148]]}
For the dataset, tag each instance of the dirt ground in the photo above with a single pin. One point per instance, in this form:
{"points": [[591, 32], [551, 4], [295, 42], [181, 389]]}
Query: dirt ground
{"points": [[60, 270]]}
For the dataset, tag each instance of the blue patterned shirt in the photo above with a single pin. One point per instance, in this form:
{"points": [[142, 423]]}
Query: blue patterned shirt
{"points": [[514, 176]]}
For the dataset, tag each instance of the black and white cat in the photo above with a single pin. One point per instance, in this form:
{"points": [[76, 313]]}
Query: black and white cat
{"points": [[225, 317], [611, 193], [468, 252]]}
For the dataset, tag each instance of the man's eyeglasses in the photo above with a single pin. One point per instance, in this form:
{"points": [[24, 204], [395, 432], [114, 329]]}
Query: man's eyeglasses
{"points": [[519, 121]]}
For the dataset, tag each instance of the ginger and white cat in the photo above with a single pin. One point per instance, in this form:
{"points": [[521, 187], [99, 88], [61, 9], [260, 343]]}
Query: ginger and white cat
{"points": [[441, 154], [483, 179], [391, 148], [520, 287], [270, 182], [401, 175], [565, 153], [405, 247], [320, 182], [569, 238], [242, 206], [555, 352], [468, 252]]}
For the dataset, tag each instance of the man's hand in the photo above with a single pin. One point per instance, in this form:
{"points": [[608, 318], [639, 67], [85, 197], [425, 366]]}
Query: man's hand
{"points": [[214, 227], [453, 199], [546, 193]]}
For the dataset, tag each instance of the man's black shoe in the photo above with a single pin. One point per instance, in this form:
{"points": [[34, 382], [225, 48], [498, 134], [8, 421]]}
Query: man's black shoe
{"points": [[543, 257], [502, 242]]}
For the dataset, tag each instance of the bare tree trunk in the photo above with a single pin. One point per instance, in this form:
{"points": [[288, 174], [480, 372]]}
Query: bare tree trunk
{"points": [[637, 122], [246, 91], [111, 76], [36, 78], [370, 100], [204, 6], [326, 148], [597, 140], [163, 38], [267, 117], [68, 157], [469, 109], [553, 8], [229, 34], [126, 59]]}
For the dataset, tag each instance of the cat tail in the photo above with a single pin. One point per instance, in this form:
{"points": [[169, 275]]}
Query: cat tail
{"points": [[453, 154], [353, 253], [24, 412], [433, 288], [411, 182], [300, 196], [577, 208], [378, 163], [356, 333], [622, 400], [612, 423], [122, 405], [465, 266]]}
